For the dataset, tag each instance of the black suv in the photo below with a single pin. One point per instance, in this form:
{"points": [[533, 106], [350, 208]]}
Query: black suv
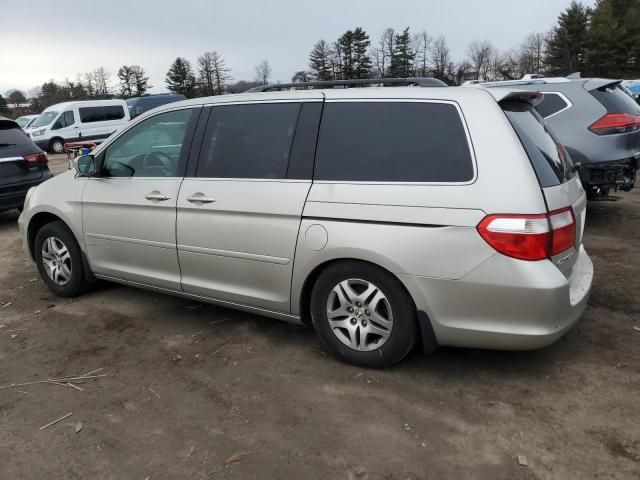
{"points": [[22, 165]]}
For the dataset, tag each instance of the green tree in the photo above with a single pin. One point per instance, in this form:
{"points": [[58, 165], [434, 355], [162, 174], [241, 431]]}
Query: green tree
{"points": [[613, 39], [180, 78], [351, 52], [567, 40], [320, 61], [16, 97], [403, 55]]}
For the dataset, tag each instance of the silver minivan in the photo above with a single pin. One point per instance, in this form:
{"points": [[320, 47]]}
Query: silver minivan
{"points": [[384, 217]]}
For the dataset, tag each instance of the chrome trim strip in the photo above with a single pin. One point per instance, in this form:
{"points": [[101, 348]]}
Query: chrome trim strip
{"points": [[135, 241], [231, 254], [11, 159]]}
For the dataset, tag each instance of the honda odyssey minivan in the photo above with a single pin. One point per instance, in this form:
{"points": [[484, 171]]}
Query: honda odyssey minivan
{"points": [[384, 217]]}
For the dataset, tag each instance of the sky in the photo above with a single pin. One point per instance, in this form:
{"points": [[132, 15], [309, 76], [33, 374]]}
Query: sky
{"points": [[43, 39]]}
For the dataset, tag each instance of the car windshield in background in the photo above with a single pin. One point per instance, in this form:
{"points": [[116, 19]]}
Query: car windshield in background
{"points": [[550, 159], [44, 119], [22, 121]]}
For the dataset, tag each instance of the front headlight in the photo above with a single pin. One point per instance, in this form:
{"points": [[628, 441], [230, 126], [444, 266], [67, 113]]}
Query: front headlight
{"points": [[38, 133]]}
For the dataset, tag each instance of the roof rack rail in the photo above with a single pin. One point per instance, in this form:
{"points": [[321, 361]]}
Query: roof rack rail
{"points": [[419, 82]]}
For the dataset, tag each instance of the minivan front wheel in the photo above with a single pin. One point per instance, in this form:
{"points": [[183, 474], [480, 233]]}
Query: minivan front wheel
{"points": [[59, 260], [56, 145], [363, 315]]}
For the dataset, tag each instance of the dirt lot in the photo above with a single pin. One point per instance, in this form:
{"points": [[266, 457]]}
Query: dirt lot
{"points": [[190, 385]]}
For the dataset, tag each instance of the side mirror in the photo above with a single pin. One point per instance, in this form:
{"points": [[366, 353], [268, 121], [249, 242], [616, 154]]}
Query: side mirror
{"points": [[85, 165]]}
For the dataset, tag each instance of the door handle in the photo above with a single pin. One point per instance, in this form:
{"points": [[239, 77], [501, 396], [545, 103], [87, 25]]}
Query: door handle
{"points": [[200, 198], [156, 196]]}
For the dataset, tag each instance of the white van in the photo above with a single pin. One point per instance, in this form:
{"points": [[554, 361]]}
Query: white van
{"points": [[91, 120]]}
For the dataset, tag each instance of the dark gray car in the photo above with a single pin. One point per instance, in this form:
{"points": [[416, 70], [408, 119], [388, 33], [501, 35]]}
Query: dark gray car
{"points": [[22, 165], [598, 124]]}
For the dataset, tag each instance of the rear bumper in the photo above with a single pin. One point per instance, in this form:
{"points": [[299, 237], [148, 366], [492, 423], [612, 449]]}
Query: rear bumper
{"points": [[13, 196], [505, 303], [613, 175]]}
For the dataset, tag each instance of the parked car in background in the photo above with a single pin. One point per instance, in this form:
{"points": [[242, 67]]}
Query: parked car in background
{"points": [[25, 121], [91, 120], [598, 124], [139, 105], [444, 216], [22, 165]]}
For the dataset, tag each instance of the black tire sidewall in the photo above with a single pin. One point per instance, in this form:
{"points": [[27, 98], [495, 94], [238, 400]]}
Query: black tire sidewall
{"points": [[403, 334], [59, 230]]}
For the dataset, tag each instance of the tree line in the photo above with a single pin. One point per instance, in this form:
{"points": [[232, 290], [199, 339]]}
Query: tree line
{"points": [[599, 41]]}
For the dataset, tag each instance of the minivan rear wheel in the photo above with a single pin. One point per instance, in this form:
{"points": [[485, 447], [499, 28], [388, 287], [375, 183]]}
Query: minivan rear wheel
{"points": [[56, 145], [59, 260], [363, 315]]}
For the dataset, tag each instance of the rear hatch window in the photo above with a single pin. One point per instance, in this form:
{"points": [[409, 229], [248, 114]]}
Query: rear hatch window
{"points": [[549, 158], [11, 138], [615, 99]]}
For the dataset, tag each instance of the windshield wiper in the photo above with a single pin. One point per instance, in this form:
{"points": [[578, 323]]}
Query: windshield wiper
{"points": [[7, 145]]}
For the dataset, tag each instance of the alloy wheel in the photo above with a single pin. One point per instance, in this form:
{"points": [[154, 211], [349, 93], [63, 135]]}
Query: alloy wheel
{"points": [[56, 260], [359, 314]]}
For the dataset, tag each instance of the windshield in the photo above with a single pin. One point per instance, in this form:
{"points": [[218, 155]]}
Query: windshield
{"points": [[45, 119], [22, 121]]}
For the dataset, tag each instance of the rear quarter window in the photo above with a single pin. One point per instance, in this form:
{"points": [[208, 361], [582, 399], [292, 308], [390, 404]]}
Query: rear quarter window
{"points": [[549, 158], [393, 142], [551, 104]]}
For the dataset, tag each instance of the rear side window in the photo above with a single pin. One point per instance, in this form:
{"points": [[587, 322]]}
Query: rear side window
{"points": [[549, 158], [551, 104], [248, 141], [615, 100], [393, 142], [13, 137], [101, 114]]}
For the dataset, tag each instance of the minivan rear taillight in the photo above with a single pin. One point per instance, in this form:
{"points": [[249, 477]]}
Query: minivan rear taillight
{"points": [[36, 158], [530, 237], [616, 123]]}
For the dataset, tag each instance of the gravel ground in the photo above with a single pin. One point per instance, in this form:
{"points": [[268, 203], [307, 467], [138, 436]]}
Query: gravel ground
{"points": [[189, 388]]}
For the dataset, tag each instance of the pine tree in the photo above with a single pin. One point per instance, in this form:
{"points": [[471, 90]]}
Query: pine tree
{"points": [[180, 78], [613, 39], [403, 56], [361, 60], [566, 45], [320, 61], [352, 49]]}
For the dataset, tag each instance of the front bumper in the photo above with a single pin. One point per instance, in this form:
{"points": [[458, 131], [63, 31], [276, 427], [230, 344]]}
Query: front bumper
{"points": [[504, 304]]}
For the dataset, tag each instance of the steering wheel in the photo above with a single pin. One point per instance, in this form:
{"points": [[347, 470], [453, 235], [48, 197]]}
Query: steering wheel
{"points": [[157, 164]]}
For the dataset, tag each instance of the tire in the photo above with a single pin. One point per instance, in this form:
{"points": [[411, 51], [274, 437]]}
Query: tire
{"points": [[59, 260], [56, 145], [343, 291]]}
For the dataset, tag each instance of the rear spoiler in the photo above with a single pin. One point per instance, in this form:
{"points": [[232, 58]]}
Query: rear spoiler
{"points": [[596, 83], [510, 95]]}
